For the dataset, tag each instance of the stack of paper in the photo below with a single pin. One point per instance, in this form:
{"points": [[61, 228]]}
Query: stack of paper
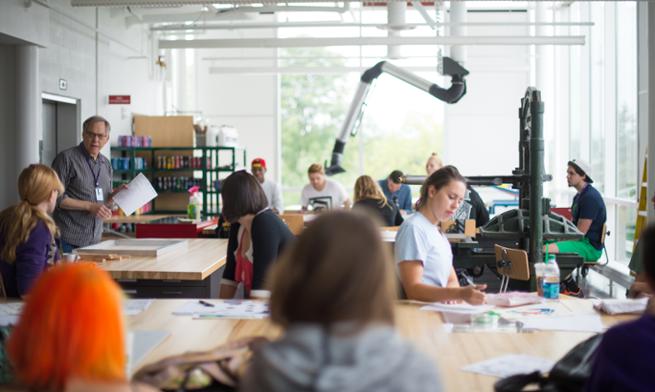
{"points": [[238, 309], [513, 299], [132, 307], [457, 313], [622, 306], [575, 323], [509, 365]]}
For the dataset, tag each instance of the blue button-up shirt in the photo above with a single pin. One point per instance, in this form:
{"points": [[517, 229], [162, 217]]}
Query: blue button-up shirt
{"points": [[402, 197]]}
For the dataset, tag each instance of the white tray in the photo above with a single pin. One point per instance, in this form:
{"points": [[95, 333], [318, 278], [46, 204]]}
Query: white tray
{"points": [[135, 247]]}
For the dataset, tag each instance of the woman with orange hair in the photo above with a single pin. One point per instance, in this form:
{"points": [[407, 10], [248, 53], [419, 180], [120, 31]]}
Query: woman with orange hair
{"points": [[70, 335], [27, 232]]}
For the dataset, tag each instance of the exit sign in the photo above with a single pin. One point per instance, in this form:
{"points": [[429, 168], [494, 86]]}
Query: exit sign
{"points": [[120, 99]]}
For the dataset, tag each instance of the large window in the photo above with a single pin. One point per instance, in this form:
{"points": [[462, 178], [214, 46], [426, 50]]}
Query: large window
{"points": [[627, 175], [400, 127], [603, 113]]}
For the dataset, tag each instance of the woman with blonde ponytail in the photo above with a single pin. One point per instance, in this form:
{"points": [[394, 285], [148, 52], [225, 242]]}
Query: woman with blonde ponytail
{"points": [[27, 232]]}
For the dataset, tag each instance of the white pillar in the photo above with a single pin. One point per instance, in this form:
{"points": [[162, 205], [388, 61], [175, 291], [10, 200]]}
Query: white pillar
{"points": [[650, 136], [29, 126], [457, 16], [396, 20]]}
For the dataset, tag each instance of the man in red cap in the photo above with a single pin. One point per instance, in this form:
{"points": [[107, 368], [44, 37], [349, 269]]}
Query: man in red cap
{"points": [[271, 189]]}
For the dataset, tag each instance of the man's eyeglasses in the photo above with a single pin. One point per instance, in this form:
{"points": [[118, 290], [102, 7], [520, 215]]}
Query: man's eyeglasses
{"points": [[91, 135]]}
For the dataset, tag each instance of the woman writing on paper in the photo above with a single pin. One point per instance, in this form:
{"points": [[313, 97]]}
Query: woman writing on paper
{"points": [[423, 255], [257, 235], [27, 232]]}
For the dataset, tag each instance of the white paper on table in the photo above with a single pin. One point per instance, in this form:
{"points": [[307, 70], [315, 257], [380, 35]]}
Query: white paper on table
{"points": [[509, 365], [575, 323], [388, 235], [139, 344], [139, 191], [232, 308], [132, 307], [622, 306], [457, 313], [10, 313], [462, 308], [511, 299]]}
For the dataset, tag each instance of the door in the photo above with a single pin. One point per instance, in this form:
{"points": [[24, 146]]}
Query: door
{"points": [[61, 126], [48, 144]]}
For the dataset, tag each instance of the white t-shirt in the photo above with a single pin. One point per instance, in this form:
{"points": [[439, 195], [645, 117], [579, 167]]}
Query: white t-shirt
{"points": [[273, 195], [419, 239], [332, 196]]}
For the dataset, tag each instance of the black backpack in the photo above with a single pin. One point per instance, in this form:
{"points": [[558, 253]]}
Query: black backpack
{"points": [[569, 374]]}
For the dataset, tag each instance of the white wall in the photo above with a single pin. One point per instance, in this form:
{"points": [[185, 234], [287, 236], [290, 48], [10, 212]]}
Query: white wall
{"points": [[481, 130], [247, 101], [96, 52]]}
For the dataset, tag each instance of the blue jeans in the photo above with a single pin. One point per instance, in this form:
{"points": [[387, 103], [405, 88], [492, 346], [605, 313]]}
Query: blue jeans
{"points": [[67, 247]]}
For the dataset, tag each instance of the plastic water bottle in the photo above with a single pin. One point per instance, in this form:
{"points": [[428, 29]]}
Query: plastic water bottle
{"points": [[551, 278]]}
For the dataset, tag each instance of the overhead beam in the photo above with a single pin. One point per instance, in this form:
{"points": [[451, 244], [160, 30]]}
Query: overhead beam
{"points": [[235, 26], [366, 41]]}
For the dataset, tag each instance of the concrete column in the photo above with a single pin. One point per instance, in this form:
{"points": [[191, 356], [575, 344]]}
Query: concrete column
{"points": [[29, 125], [458, 15]]}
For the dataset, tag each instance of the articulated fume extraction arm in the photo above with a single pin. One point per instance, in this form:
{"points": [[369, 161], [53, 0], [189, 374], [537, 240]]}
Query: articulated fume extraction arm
{"points": [[452, 94]]}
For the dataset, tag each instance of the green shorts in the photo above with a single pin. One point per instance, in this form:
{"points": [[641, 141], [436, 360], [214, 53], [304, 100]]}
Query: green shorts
{"points": [[582, 247]]}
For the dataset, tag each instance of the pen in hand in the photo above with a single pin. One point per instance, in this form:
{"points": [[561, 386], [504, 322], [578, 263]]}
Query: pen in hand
{"points": [[205, 303]]}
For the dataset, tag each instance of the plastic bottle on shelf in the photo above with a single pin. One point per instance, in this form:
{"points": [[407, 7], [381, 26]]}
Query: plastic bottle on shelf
{"points": [[193, 209], [551, 278]]}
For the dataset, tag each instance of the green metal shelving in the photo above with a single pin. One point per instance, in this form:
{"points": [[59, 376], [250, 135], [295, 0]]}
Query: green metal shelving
{"points": [[208, 176]]}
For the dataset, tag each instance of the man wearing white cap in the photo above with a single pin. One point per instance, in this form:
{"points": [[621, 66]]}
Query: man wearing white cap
{"points": [[589, 214]]}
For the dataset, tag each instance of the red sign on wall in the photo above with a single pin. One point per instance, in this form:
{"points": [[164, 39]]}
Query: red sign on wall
{"points": [[120, 99]]}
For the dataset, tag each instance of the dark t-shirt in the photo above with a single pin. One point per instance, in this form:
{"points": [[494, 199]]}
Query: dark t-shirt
{"points": [[269, 237], [388, 213], [471, 208], [625, 357], [589, 204]]}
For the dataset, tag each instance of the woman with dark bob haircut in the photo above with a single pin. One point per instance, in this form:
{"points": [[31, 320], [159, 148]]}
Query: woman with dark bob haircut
{"points": [[257, 234]]}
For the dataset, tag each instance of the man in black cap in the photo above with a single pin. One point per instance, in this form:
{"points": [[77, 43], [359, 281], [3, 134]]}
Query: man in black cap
{"points": [[589, 215], [397, 192]]}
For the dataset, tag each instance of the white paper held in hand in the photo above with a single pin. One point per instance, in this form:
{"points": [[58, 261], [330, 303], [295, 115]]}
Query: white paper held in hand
{"points": [[139, 191]]}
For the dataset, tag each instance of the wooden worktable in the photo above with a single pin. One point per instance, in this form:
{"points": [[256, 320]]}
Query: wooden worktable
{"points": [[201, 258], [450, 351]]}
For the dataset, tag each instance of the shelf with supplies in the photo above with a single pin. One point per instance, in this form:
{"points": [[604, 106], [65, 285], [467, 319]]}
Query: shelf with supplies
{"points": [[173, 170]]}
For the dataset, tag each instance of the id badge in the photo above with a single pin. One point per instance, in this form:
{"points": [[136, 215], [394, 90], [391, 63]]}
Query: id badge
{"points": [[99, 195]]}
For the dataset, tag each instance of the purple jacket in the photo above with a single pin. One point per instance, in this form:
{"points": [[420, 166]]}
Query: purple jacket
{"points": [[31, 260], [625, 360]]}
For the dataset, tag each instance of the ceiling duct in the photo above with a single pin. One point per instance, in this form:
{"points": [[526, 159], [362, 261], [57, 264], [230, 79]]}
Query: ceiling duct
{"points": [[177, 3]]}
